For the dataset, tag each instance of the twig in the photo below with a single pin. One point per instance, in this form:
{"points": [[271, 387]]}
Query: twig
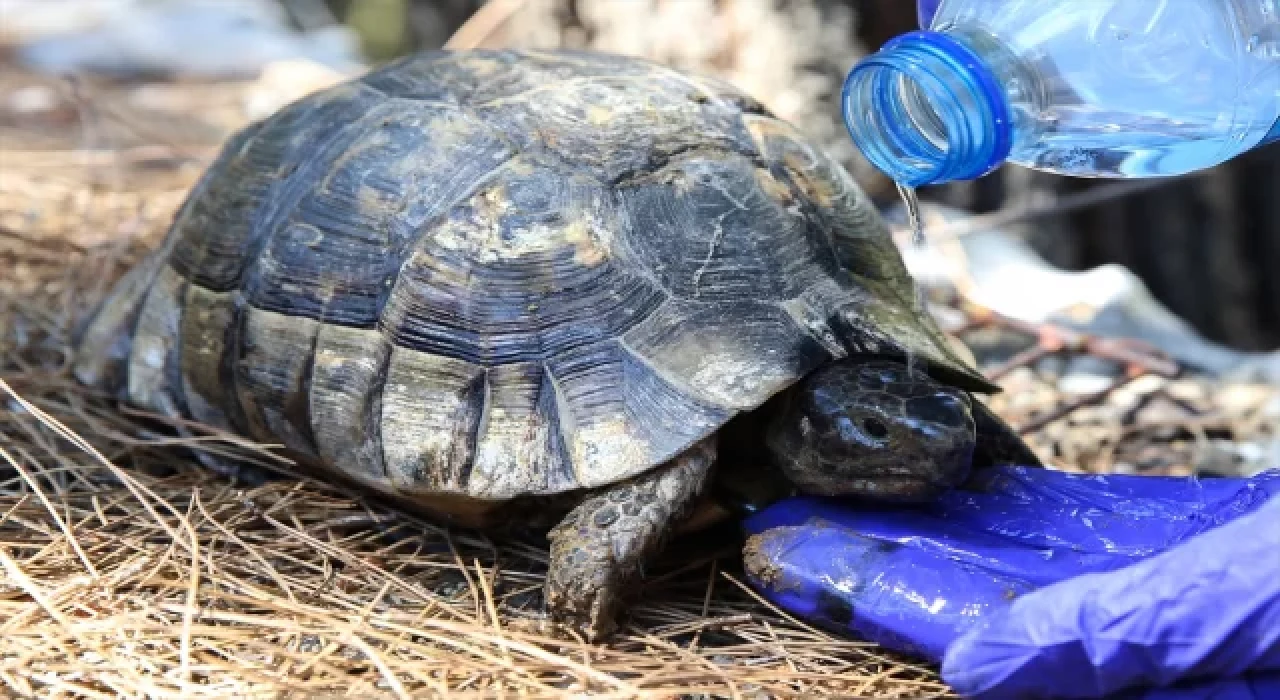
{"points": [[482, 24]]}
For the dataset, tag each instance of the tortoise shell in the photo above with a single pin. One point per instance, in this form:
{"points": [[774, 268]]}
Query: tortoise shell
{"points": [[495, 274]]}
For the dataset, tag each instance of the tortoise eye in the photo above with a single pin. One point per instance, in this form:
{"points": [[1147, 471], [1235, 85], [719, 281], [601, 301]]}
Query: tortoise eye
{"points": [[875, 428]]}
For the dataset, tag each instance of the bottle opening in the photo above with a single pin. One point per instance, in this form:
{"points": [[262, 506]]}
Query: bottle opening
{"points": [[926, 110]]}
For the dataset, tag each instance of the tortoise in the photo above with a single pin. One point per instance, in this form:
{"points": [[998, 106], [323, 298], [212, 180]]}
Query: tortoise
{"points": [[535, 285]]}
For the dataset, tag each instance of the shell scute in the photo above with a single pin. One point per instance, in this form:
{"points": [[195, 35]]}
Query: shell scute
{"points": [[272, 376], [346, 400], [228, 222], [430, 421], [620, 416], [522, 271], [523, 447], [709, 230], [729, 355], [484, 75], [618, 128], [336, 251], [860, 236]]}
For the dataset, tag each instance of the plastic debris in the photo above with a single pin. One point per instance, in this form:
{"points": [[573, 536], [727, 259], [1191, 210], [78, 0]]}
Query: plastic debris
{"points": [[1083, 584], [25, 20], [1001, 271]]}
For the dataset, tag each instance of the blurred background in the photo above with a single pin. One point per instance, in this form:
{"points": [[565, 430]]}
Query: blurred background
{"points": [[1206, 246]]}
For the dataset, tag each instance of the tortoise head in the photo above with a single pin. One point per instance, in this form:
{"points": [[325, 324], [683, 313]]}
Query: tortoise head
{"points": [[876, 428]]}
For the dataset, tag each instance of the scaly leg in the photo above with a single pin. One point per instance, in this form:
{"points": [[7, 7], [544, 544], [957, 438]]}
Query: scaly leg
{"points": [[601, 544]]}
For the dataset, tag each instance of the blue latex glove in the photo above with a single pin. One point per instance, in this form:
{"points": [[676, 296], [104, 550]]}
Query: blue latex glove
{"points": [[1038, 583]]}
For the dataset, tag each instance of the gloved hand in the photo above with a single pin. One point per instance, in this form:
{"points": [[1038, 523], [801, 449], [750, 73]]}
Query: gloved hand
{"points": [[1033, 583]]}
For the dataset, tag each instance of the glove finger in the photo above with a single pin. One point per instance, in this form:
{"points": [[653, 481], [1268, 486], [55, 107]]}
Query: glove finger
{"points": [[907, 599], [958, 538], [1209, 607], [1127, 516]]}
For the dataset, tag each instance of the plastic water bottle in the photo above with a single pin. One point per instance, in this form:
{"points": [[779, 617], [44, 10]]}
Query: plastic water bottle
{"points": [[1092, 88]]}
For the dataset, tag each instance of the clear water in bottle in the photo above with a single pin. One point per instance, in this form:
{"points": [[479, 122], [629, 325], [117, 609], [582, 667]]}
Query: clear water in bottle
{"points": [[1094, 88]]}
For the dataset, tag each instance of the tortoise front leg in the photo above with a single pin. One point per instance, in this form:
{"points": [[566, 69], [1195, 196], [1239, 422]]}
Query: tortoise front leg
{"points": [[601, 544]]}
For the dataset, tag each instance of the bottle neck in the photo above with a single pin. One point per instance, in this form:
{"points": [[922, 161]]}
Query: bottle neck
{"points": [[927, 109]]}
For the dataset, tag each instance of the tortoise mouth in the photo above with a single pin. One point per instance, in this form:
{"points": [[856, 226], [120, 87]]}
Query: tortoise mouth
{"points": [[898, 489]]}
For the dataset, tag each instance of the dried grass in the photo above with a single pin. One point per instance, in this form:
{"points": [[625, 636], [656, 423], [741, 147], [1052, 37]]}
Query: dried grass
{"points": [[130, 571]]}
